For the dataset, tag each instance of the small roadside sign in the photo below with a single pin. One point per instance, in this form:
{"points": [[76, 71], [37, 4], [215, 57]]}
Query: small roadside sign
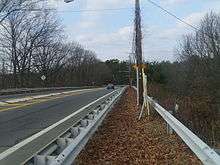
{"points": [[43, 77]]}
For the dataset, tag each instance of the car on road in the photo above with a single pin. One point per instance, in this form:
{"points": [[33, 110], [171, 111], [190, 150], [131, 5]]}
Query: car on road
{"points": [[110, 86]]}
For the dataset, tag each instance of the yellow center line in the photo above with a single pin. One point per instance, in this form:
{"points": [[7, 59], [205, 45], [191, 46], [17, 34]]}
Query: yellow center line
{"points": [[37, 101]]}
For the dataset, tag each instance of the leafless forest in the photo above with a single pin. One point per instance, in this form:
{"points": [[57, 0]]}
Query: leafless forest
{"points": [[32, 44], [193, 81]]}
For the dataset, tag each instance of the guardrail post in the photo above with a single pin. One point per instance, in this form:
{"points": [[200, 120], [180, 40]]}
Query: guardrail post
{"points": [[62, 144], [217, 150], [91, 116], [176, 109], [69, 141], [169, 128], [102, 106], [75, 131], [43, 160], [84, 123], [96, 111], [39, 160]]}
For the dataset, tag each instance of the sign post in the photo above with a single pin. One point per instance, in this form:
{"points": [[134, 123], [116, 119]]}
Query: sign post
{"points": [[43, 78], [145, 93]]}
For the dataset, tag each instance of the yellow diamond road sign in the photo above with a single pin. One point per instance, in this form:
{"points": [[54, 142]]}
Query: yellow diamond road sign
{"points": [[140, 66]]}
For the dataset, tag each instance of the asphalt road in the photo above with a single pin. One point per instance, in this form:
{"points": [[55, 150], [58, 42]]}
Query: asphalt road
{"points": [[14, 96], [19, 123]]}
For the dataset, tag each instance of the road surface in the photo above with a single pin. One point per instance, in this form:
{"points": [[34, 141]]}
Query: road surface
{"points": [[25, 119], [21, 95]]}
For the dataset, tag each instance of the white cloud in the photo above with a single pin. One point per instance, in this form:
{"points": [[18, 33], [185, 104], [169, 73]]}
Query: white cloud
{"points": [[94, 20], [173, 2], [57, 4], [120, 36], [192, 19], [94, 4], [159, 42], [115, 44]]}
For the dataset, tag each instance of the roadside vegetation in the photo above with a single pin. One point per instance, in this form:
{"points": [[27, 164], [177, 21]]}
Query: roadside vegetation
{"points": [[193, 81]]}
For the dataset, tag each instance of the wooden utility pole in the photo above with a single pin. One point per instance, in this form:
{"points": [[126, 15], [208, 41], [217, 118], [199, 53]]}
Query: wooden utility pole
{"points": [[138, 50], [130, 80]]}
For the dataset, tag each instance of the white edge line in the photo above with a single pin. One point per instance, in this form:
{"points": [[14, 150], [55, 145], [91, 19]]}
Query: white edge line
{"points": [[2, 103], [42, 96], [33, 137], [99, 118]]}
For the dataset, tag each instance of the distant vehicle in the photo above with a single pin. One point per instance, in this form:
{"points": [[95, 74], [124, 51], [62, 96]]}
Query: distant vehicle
{"points": [[110, 86]]}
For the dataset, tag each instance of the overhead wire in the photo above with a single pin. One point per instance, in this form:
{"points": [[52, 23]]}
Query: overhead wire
{"points": [[79, 11], [173, 15], [181, 20]]}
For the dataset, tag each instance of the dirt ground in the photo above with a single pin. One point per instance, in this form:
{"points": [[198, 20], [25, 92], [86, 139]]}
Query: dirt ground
{"points": [[123, 140]]}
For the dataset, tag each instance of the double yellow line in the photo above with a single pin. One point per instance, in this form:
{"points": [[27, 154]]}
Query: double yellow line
{"points": [[37, 101]]}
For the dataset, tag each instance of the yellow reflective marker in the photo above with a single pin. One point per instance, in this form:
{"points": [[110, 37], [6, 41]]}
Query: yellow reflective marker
{"points": [[140, 66]]}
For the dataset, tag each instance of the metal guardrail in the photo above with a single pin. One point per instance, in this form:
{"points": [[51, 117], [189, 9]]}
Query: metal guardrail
{"points": [[207, 155], [217, 151], [70, 153], [61, 142]]}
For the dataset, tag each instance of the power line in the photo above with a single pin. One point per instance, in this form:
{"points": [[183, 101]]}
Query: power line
{"points": [[78, 11], [173, 15], [97, 10], [181, 20]]}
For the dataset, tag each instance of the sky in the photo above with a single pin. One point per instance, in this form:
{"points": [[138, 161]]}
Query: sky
{"points": [[109, 33]]}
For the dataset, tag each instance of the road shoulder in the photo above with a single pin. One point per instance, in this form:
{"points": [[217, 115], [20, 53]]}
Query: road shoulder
{"points": [[122, 139]]}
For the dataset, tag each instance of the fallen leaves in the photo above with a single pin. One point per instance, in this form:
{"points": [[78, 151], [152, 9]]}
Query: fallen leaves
{"points": [[122, 139]]}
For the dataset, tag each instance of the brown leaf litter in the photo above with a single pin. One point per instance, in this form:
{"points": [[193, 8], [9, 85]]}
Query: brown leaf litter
{"points": [[123, 140]]}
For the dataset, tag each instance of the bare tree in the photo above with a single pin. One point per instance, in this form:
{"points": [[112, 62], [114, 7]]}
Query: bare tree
{"points": [[32, 44], [22, 33], [7, 7], [83, 67], [200, 63]]}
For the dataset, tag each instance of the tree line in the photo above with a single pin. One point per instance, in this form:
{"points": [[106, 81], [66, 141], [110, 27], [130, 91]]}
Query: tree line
{"points": [[33, 44], [193, 81]]}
